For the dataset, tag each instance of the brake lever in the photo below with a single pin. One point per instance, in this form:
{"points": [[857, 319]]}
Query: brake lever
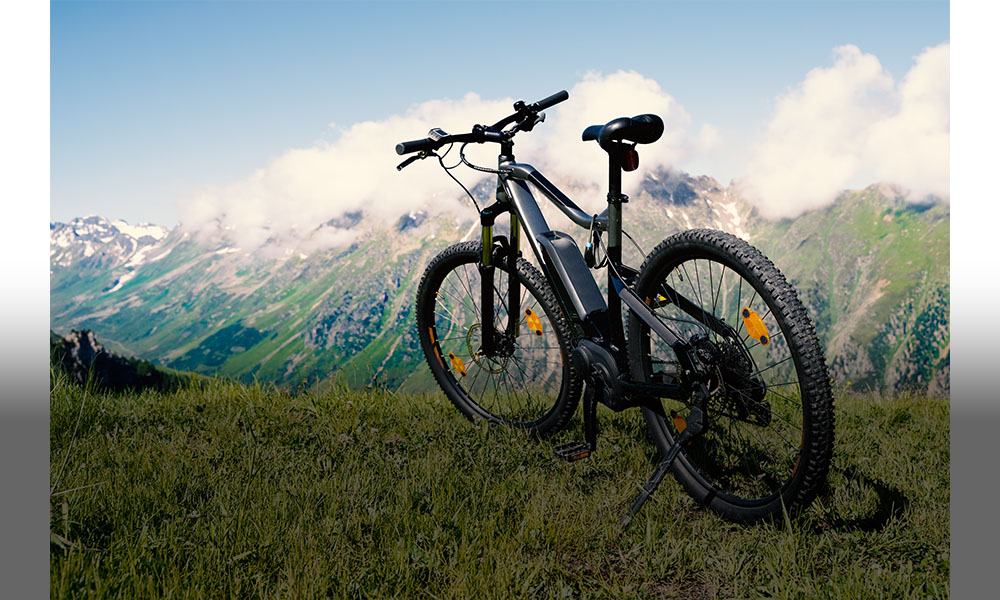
{"points": [[530, 121], [411, 160]]}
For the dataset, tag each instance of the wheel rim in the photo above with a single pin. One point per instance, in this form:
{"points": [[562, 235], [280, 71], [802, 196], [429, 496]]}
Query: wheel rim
{"points": [[751, 450], [522, 383]]}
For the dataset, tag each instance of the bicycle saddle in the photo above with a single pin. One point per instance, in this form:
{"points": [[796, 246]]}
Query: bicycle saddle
{"points": [[643, 129]]}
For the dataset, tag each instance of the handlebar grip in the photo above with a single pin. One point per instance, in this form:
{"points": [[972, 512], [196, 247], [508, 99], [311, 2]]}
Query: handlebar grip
{"points": [[415, 146], [552, 100]]}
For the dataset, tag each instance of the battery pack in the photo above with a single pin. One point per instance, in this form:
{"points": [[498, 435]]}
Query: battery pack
{"points": [[571, 274]]}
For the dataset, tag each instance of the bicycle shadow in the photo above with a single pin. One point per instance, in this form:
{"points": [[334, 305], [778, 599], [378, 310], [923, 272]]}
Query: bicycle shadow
{"points": [[843, 492], [889, 503]]}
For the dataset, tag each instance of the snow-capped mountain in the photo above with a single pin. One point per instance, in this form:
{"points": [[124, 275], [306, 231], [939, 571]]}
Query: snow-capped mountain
{"points": [[105, 243], [872, 270]]}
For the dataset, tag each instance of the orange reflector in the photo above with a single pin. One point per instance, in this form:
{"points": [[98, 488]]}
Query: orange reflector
{"points": [[679, 423], [534, 323], [434, 345], [458, 363], [755, 326]]}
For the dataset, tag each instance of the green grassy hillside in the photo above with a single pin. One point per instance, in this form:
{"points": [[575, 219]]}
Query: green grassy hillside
{"points": [[874, 273], [237, 491]]}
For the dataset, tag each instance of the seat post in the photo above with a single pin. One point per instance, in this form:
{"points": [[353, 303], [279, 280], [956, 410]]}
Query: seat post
{"points": [[615, 200]]}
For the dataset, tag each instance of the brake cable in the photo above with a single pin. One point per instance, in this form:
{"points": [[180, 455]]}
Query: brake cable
{"points": [[634, 243], [461, 153], [523, 125], [590, 253], [448, 169]]}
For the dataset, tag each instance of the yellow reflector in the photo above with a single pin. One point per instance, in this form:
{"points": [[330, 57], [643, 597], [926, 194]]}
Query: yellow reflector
{"points": [[458, 363], [679, 423], [755, 326], [534, 323]]}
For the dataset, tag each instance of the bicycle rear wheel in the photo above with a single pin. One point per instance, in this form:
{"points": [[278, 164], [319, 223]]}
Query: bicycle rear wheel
{"points": [[770, 416], [530, 381]]}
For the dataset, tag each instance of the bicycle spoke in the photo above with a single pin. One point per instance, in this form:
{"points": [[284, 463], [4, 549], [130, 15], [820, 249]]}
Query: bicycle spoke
{"points": [[715, 301]]}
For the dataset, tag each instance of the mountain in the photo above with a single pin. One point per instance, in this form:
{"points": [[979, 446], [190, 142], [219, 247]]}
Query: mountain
{"points": [[874, 273], [872, 269], [96, 244]]}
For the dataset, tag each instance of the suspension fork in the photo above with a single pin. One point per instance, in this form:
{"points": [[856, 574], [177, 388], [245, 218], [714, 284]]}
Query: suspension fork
{"points": [[486, 269], [513, 283], [487, 217]]}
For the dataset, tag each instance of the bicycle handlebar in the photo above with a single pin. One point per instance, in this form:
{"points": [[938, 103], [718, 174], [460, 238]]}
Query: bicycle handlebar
{"points": [[552, 100], [479, 136], [415, 146], [482, 134]]}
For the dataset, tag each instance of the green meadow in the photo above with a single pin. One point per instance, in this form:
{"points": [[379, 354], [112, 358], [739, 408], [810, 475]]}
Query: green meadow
{"points": [[228, 490]]}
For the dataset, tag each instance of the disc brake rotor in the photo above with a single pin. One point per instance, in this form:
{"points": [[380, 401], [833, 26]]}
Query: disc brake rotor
{"points": [[490, 364]]}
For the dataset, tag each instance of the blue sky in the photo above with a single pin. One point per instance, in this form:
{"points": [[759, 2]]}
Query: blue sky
{"points": [[155, 102]]}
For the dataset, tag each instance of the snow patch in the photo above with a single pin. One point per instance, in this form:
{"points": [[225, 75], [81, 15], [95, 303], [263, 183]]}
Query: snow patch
{"points": [[139, 257], [142, 229], [122, 281], [730, 208]]}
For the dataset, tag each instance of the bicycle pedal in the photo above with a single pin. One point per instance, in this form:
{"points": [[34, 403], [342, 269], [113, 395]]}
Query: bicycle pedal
{"points": [[572, 451]]}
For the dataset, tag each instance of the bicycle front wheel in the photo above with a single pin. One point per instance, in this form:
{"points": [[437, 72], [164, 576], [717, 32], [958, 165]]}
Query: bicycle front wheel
{"points": [[769, 435], [529, 381]]}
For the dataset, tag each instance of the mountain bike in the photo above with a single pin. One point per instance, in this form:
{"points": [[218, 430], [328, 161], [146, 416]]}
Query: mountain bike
{"points": [[719, 353]]}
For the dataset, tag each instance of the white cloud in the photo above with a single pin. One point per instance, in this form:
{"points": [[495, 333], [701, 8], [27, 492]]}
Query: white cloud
{"points": [[851, 124], [303, 188], [709, 139], [912, 147], [596, 100]]}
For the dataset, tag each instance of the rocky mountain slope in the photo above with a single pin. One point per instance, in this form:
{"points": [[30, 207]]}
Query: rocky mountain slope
{"points": [[872, 270], [85, 361]]}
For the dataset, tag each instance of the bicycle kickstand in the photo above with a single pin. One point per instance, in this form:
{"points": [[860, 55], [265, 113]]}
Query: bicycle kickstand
{"points": [[695, 426]]}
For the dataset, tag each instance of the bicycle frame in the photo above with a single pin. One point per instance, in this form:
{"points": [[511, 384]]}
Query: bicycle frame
{"points": [[561, 261], [710, 375]]}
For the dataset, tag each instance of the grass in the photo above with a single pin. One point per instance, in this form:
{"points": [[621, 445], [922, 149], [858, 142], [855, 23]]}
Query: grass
{"points": [[242, 491]]}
